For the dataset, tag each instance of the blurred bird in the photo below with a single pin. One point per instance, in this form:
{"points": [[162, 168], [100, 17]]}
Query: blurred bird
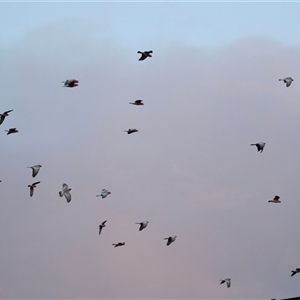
{"points": [[70, 83], [104, 193], [5, 114], [32, 187], [143, 225], [65, 192], [275, 200], [260, 146], [35, 169], [101, 226], [170, 239], [129, 131], [119, 244], [294, 272], [288, 81], [145, 54], [227, 280], [137, 102], [11, 130]]}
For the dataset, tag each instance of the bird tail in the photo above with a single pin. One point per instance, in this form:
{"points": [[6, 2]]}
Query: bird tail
{"points": [[252, 144], [280, 79]]}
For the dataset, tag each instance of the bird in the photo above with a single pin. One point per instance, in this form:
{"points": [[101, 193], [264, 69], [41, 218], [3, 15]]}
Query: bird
{"points": [[227, 280], [101, 226], [5, 114], [260, 146], [145, 54], [32, 186], [70, 83], [129, 131], [288, 81], [11, 130], [294, 272], [65, 192], [35, 169], [170, 239], [275, 200], [143, 225], [104, 193], [119, 244], [137, 102]]}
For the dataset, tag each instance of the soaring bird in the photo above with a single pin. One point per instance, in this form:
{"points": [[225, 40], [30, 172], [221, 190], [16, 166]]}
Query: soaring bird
{"points": [[35, 169], [11, 130], [145, 54], [70, 83], [119, 244], [5, 114], [170, 239], [227, 280], [275, 200], [101, 226], [288, 81], [143, 225], [294, 272], [260, 146], [65, 192], [104, 193], [32, 187], [137, 102], [129, 131]]}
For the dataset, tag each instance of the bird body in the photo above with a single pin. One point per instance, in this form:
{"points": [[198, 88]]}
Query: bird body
{"points": [[32, 187], [294, 272], [259, 146], [104, 193], [5, 114], [227, 280], [129, 131], [275, 200], [137, 102], [119, 244], [65, 192], [288, 81], [143, 225], [145, 54], [35, 170], [170, 239], [101, 226], [11, 130], [70, 83]]}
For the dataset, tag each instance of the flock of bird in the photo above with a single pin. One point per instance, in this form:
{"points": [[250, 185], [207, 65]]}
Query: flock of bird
{"points": [[104, 193]]}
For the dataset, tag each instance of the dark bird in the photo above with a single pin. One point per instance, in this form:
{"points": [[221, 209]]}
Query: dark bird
{"points": [[288, 81], [70, 83], [294, 272], [228, 282], [119, 244], [11, 130], [129, 131], [137, 102], [5, 114], [170, 239], [101, 226], [35, 169], [143, 225], [260, 146], [275, 200], [32, 187], [145, 54]]}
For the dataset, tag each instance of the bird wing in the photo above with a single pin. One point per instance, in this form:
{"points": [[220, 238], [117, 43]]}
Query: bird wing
{"points": [[143, 56], [68, 196], [36, 183], [35, 170], [228, 283], [65, 187], [103, 223], [288, 83], [2, 119], [138, 101], [31, 191]]}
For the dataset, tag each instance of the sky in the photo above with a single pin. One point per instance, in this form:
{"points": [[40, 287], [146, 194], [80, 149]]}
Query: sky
{"points": [[210, 90]]}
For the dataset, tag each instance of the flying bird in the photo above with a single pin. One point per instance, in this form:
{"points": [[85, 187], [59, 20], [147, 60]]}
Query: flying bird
{"points": [[143, 225], [32, 187], [101, 226], [227, 280], [65, 192], [288, 81], [137, 102], [129, 131], [104, 193], [35, 169], [5, 114], [170, 239], [275, 200], [70, 83], [119, 244], [294, 272], [145, 54], [260, 146], [11, 130]]}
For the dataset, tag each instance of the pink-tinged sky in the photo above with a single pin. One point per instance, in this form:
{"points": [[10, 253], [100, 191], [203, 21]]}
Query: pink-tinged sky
{"points": [[210, 90]]}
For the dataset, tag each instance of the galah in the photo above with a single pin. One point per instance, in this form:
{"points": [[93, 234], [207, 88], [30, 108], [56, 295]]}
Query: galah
{"points": [[143, 225], [119, 244], [275, 200], [5, 114], [227, 280], [70, 83], [35, 169], [294, 272], [11, 130], [145, 54], [32, 187], [104, 193], [65, 192], [137, 102], [101, 226], [260, 146], [288, 81], [129, 131], [170, 239]]}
